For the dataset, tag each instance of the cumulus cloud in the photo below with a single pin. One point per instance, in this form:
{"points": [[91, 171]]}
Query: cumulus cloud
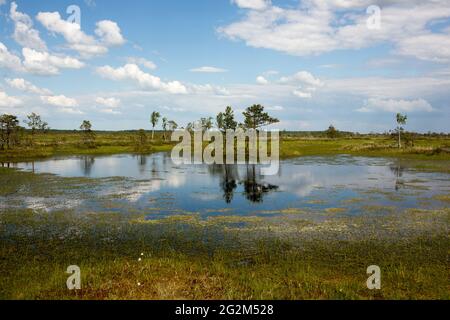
{"points": [[44, 63], [306, 84], [393, 105], [252, 4], [9, 60], [319, 26], [207, 69], [8, 101], [108, 102], [207, 89], [261, 80], [108, 31], [60, 101], [26, 86], [302, 77], [142, 62], [24, 33], [144, 80], [302, 94]]}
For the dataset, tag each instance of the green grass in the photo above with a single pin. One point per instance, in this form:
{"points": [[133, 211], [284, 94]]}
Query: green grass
{"points": [[62, 143], [187, 260]]}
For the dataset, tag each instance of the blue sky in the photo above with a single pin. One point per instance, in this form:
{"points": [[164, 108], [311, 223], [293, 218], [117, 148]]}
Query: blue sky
{"points": [[311, 63]]}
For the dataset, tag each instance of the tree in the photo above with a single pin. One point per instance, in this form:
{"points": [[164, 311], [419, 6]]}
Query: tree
{"points": [[206, 123], [9, 126], [154, 119], [35, 123], [172, 125], [164, 126], [141, 139], [401, 120], [88, 135], [332, 132], [225, 120], [255, 117]]}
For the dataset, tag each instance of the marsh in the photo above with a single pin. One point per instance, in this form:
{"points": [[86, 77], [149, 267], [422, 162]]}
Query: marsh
{"points": [[222, 232], [153, 182]]}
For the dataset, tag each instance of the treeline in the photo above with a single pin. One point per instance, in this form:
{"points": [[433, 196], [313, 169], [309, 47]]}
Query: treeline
{"points": [[12, 134]]}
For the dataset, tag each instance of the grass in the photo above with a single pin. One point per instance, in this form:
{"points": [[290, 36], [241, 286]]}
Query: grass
{"points": [[188, 260], [67, 143]]}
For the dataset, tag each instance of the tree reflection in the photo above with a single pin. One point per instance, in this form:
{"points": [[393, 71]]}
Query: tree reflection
{"points": [[254, 190], [228, 182], [142, 163], [87, 162], [398, 170]]}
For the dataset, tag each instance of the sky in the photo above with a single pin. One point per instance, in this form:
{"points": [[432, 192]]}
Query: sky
{"points": [[311, 63]]}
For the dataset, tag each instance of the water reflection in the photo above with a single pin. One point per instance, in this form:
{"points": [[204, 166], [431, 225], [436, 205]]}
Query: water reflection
{"points": [[300, 182], [398, 170], [86, 163], [254, 189]]}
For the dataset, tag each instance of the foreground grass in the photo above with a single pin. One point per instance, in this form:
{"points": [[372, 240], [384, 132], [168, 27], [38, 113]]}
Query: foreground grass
{"points": [[190, 260]]}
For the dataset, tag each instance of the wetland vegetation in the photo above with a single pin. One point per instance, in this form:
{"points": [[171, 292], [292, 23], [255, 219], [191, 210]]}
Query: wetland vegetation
{"points": [[140, 227]]}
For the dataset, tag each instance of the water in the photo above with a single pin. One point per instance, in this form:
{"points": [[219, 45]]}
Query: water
{"points": [[154, 185]]}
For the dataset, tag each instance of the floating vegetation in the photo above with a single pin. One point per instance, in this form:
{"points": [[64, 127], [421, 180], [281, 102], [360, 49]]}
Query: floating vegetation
{"points": [[336, 210]]}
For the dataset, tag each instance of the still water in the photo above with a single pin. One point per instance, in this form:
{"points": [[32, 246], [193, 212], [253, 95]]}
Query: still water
{"points": [[153, 184]]}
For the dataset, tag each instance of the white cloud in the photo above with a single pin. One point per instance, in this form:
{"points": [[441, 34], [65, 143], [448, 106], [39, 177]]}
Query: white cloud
{"points": [[207, 69], [60, 101], [261, 80], [110, 111], [43, 63], [8, 101], [302, 94], [142, 62], [24, 34], [144, 80], [318, 26], [432, 47], [393, 105], [24, 85], [275, 108], [86, 45], [9, 60], [108, 102], [302, 77], [207, 89], [109, 33], [392, 88], [173, 109], [306, 84], [252, 4]]}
